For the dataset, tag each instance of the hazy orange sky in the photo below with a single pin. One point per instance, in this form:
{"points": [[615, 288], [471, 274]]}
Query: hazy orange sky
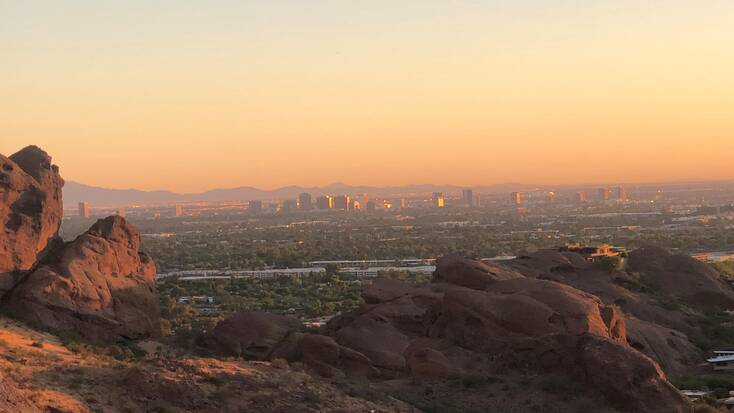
{"points": [[191, 95]]}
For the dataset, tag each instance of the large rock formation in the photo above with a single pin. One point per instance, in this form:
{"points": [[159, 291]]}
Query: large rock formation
{"points": [[100, 285], [522, 308], [30, 211], [627, 379], [458, 270], [324, 355], [477, 320], [670, 348], [682, 278], [664, 296], [252, 335]]}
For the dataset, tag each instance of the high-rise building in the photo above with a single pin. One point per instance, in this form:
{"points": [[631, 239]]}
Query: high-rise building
{"points": [[621, 195], [255, 206], [325, 202], [516, 198], [179, 211], [121, 213], [580, 198], [468, 196], [371, 206], [354, 205], [341, 202], [603, 194], [398, 203], [289, 205], [438, 200], [551, 198], [84, 210], [304, 201]]}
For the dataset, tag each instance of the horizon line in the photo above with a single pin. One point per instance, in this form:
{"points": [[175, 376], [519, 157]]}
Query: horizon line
{"points": [[544, 186]]}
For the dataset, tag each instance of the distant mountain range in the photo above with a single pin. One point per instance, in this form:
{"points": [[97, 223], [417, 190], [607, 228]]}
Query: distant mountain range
{"points": [[75, 192]]}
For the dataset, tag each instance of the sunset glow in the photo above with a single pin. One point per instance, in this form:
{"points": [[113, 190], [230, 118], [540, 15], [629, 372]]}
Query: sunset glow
{"points": [[188, 96]]}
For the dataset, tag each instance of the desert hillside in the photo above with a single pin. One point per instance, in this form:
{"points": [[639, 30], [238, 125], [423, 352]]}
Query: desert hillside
{"points": [[39, 373]]}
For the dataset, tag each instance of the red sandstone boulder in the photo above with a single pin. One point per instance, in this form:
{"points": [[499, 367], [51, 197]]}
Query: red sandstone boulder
{"points": [[252, 335], [465, 272], [520, 308], [580, 311], [670, 348], [30, 211], [386, 290], [429, 362], [694, 283], [324, 355], [627, 379], [381, 342], [100, 285]]}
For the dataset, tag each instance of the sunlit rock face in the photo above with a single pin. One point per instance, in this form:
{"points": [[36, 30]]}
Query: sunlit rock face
{"points": [[30, 211], [100, 285]]}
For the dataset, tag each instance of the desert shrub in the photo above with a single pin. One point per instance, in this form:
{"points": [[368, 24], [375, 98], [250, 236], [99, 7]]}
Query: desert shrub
{"points": [[161, 406], [725, 268], [689, 382], [609, 264], [279, 363], [557, 385], [470, 380], [722, 382], [310, 396], [705, 408], [721, 393]]}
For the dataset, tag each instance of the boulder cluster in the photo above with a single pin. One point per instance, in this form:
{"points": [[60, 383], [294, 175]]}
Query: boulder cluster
{"points": [[99, 286], [473, 318]]}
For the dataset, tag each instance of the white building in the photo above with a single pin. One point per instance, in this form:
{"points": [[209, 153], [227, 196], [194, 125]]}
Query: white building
{"points": [[722, 360], [694, 395]]}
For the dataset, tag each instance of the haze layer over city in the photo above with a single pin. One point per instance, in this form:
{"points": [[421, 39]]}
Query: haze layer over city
{"points": [[385, 206]]}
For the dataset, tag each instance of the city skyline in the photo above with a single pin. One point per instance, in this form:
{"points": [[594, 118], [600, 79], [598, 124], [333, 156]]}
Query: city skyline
{"points": [[139, 94]]}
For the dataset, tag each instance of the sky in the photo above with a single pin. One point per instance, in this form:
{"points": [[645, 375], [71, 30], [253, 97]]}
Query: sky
{"points": [[192, 95]]}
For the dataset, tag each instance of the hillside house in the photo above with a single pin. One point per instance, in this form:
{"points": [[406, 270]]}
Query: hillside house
{"points": [[722, 360]]}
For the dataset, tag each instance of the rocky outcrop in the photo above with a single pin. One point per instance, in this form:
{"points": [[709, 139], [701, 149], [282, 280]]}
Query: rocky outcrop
{"points": [[627, 379], [682, 278], [265, 336], [665, 297], [506, 320], [465, 272], [521, 308], [324, 355], [100, 286], [506, 325], [252, 335], [30, 211], [670, 348]]}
